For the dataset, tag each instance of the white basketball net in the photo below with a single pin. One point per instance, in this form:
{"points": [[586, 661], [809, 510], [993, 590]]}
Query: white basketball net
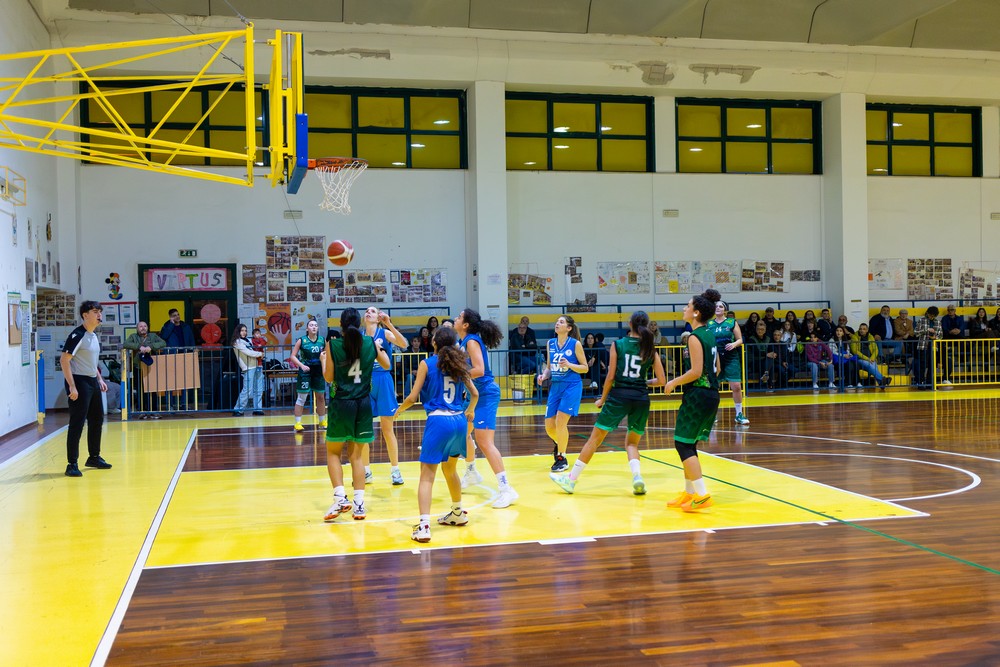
{"points": [[337, 179]]}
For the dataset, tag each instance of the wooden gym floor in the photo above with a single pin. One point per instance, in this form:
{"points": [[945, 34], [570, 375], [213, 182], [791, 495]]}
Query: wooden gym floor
{"points": [[848, 529]]}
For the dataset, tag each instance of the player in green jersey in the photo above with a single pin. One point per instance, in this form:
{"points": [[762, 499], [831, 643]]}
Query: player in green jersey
{"points": [[305, 357], [729, 340], [348, 363], [625, 395], [700, 402]]}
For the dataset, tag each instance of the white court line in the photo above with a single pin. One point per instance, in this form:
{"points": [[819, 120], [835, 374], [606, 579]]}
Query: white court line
{"points": [[114, 623], [976, 480]]}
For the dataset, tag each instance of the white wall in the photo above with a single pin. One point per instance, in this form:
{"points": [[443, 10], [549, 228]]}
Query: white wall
{"points": [[20, 30]]}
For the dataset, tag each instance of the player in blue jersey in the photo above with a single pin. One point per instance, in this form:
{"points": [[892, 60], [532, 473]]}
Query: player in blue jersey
{"points": [[379, 327], [476, 336], [443, 377], [566, 363]]}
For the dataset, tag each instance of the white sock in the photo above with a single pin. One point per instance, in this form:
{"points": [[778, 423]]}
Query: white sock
{"points": [[502, 480], [699, 486], [688, 486], [739, 407], [298, 419], [471, 465], [394, 469], [339, 492], [359, 497], [457, 507], [425, 519], [368, 470], [577, 470], [633, 465]]}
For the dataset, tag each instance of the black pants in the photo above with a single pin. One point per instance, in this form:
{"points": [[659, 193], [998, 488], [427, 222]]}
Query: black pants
{"points": [[89, 408]]}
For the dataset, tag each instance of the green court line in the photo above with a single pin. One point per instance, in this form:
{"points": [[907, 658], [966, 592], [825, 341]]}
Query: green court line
{"points": [[834, 519]]}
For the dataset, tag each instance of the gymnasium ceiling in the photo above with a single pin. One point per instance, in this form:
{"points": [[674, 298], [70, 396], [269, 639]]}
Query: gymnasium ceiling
{"points": [[924, 24]]}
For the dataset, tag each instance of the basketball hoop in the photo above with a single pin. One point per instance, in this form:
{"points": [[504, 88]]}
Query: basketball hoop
{"points": [[337, 174]]}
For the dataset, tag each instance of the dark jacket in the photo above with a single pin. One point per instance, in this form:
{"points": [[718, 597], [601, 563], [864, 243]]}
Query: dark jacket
{"points": [[181, 335]]}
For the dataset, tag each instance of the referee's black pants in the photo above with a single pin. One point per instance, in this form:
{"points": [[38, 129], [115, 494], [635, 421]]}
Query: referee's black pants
{"points": [[89, 408]]}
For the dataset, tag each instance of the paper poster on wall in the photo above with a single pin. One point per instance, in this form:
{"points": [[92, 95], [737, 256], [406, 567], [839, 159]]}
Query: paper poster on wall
{"points": [[763, 276], [276, 323], [419, 285], [980, 285], [26, 333], [529, 289], [295, 252], [29, 274], [623, 277], [363, 286], [694, 276], [254, 283], [805, 276], [14, 318], [56, 310], [929, 279], [886, 273]]}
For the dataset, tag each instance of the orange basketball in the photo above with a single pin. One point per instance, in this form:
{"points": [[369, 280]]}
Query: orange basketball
{"points": [[340, 252]]}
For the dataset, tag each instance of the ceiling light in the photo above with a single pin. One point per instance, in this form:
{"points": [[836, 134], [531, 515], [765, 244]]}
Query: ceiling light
{"points": [[895, 124], [754, 126], [696, 150], [416, 146], [441, 122], [560, 146], [562, 128], [528, 164], [605, 128], [880, 169], [398, 164]]}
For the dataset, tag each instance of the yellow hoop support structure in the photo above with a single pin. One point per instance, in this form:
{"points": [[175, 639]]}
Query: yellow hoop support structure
{"points": [[99, 72]]}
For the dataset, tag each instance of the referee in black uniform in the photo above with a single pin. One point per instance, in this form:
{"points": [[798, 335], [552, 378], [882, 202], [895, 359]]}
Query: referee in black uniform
{"points": [[84, 385]]}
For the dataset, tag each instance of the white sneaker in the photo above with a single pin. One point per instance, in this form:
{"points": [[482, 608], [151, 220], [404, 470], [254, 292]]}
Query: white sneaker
{"points": [[421, 533], [742, 420], [593, 385], [454, 518], [506, 498], [340, 505], [397, 477], [471, 478], [832, 385], [815, 386], [369, 477], [945, 381]]}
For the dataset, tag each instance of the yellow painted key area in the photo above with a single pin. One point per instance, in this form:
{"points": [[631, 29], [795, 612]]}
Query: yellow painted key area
{"points": [[278, 513], [67, 545]]}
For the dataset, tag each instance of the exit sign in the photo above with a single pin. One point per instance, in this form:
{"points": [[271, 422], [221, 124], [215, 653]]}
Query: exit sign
{"points": [[187, 253]]}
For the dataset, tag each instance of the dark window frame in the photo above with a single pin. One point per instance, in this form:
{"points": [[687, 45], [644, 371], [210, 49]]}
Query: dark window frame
{"points": [[575, 98], [976, 144], [725, 104]]}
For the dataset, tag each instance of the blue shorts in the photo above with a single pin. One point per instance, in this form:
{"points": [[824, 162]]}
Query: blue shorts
{"points": [[486, 407], [564, 397], [384, 403], [444, 438]]}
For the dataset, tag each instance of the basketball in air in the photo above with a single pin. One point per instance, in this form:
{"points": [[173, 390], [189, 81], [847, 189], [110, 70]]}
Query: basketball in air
{"points": [[340, 252]]}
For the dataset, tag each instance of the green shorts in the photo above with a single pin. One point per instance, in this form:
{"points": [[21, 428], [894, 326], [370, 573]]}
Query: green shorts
{"points": [[616, 409], [731, 367], [350, 419], [697, 415], [310, 381]]}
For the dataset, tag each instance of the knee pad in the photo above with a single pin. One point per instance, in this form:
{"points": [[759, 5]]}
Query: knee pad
{"points": [[301, 400], [684, 450]]}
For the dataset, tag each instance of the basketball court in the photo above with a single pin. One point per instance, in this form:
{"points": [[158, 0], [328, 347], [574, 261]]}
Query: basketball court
{"points": [[224, 510]]}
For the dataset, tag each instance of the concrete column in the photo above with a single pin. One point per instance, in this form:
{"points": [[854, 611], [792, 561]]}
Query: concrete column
{"points": [[486, 189], [991, 142], [665, 131], [845, 207]]}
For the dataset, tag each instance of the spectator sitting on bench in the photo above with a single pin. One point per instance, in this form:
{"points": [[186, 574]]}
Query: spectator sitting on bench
{"points": [[597, 370], [523, 349]]}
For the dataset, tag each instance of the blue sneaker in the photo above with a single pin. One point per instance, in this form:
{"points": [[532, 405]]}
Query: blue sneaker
{"points": [[564, 482]]}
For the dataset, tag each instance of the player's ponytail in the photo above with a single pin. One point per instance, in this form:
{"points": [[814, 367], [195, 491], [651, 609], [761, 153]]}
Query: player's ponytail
{"points": [[485, 329], [639, 323], [574, 329], [350, 321]]}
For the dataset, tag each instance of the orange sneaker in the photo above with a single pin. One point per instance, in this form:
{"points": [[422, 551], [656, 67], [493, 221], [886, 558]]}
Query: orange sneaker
{"points": [[696, 502], [681, 498]]}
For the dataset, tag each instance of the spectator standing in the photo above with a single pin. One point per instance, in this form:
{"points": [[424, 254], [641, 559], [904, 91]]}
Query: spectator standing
{"points": [[523, 348], [252, 372], [597, 370], [83, 389], [178, 335]]}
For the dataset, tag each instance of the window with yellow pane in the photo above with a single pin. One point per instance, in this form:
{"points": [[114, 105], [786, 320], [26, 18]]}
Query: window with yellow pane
{"points": [[578, 132], [748, 136], [912, 140]]}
